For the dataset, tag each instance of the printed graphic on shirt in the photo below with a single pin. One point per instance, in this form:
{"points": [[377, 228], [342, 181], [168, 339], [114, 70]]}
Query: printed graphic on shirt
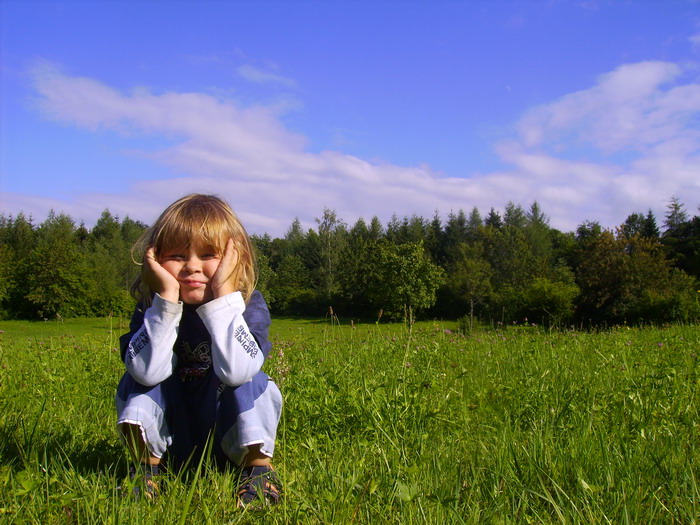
{"points": [[193, 363], [246, 341], [220, 390], [137, 343]]}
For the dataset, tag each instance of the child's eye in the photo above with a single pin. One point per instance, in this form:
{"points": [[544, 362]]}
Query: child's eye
{"points": [[174, 257]]}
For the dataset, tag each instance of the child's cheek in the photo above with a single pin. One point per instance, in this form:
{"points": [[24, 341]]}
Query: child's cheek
{"points": [[171, 268], [213, 266]]}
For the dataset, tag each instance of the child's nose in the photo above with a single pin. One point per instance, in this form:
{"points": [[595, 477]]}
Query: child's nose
{"points": [[192, 264]]}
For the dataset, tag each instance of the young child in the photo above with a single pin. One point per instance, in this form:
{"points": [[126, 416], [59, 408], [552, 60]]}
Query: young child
{"points": [[194, 353]]}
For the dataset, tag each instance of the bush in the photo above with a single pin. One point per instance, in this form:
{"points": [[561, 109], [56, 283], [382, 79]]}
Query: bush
{"points": [[677, 302], [548, 302]]}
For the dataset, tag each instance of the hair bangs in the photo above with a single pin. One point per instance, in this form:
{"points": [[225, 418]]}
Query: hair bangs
{"points": [[195, 221]]}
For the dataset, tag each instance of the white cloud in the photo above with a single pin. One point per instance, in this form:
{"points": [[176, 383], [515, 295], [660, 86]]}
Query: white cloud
{"points": [[639, 111], [695, 39], [259, 76], [628, 108], [564, 156]]}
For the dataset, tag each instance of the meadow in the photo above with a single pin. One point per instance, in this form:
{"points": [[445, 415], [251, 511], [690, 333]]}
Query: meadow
{"points": [[383, 423]]}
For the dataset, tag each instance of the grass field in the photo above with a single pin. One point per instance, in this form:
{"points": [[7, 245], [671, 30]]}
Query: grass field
{"points": [[382, 424]]}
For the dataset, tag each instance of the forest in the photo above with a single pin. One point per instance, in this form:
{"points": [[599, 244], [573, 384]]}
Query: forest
{"points": [[509, 268]]}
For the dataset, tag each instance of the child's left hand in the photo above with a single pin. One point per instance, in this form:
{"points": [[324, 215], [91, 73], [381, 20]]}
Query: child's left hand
{"points": [[225, 278]]}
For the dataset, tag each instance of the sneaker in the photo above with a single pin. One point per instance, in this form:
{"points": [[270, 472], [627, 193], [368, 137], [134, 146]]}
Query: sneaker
{"points": [[259, 485]]}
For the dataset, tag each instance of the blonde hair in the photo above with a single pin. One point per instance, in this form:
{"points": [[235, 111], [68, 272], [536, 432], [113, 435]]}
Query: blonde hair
{"points": [[192, 220]]}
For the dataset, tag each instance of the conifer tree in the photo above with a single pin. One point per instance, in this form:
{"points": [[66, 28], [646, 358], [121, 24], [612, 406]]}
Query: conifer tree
{"points": [[493, 219], [514, 216], [676, 217], [649, 228]]}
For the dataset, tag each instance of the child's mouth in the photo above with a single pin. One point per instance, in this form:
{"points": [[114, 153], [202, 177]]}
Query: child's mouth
{"points": [[193, 284]]}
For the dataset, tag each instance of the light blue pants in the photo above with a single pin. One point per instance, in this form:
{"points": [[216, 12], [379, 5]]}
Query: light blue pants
{"points": [[179, 417]]}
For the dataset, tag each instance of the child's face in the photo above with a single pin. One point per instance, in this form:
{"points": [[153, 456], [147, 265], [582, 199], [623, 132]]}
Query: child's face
{"points": [[194, 269]]}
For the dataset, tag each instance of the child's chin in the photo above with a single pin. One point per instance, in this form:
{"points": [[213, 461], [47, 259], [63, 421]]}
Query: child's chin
{"points": [[194, 299]]}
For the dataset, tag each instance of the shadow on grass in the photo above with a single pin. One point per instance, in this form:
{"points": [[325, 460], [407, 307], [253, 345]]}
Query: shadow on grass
{"points": [[22, 448]]}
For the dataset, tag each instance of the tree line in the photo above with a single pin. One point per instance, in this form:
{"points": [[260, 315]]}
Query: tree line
{"points": [[497, 268]]}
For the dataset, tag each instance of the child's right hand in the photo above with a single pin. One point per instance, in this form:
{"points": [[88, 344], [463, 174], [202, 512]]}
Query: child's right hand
{"points": [[158, 279]]}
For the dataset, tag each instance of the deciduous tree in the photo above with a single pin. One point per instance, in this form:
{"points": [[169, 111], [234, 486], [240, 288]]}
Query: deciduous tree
{"points": [[405, 279]]}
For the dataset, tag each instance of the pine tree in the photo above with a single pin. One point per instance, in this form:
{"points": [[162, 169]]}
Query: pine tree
{"points": [[538, 236], [435, 239], [455, 234], [514, 216], [493, 219], [474, 224], [676, 216], [649, 228], [359, 230], [376, 230]]}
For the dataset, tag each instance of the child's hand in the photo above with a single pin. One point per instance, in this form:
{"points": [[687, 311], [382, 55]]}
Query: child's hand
{"points": [[225, 279], [158, 279]]}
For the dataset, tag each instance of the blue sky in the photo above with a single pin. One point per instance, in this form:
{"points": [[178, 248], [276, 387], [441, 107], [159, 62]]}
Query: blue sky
{"points": [[368, 108]]}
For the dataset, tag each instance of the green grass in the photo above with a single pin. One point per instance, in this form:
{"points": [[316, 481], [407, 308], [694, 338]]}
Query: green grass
{"points": [[381, 424]]}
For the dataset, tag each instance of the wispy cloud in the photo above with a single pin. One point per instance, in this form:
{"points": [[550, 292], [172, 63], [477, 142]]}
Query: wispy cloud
{"points": [[638, 112], [635, 108], [638, 128], [259, 76], [695, 39]]}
